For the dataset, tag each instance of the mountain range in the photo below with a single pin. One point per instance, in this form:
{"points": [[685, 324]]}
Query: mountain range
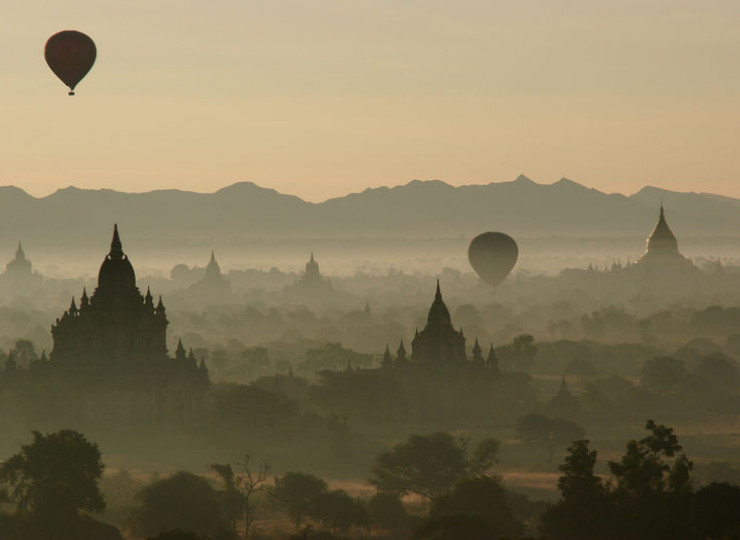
{"points": [[418, 209]]}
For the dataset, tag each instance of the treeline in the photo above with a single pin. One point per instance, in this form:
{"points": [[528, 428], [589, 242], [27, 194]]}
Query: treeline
{"points": [[433, 487]]}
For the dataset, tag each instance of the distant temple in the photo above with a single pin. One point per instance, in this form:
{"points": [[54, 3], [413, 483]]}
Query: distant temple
{"points": [[312, 278], [312, 286], [563, 403], [439, 342], [214, 287], [19, 271], [662, 247], [213, 270], [118, 330], [19, 266]]}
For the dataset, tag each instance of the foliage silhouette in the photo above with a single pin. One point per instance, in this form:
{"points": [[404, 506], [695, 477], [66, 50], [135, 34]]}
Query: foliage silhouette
{"points": [[239, 489], [387, 511], [482, 497], [715, 511], [581, 513], [649, 496], [298, 493], [339, 511], [430, 465], [55, 476], [182, 501]]}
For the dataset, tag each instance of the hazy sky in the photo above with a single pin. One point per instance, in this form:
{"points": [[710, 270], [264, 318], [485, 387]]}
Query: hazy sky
{"points": [[322, 97]]}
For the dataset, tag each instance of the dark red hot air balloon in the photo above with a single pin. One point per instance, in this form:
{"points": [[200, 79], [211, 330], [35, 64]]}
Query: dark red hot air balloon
{"points": [[70, 55], [492, 255]]}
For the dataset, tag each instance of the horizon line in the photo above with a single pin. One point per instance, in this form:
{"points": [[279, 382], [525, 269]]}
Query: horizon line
{"points": [[522, 178]]}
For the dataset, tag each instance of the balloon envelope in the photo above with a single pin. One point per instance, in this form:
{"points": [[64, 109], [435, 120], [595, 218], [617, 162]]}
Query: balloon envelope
{"points": [[492, 255], [70, 55]]}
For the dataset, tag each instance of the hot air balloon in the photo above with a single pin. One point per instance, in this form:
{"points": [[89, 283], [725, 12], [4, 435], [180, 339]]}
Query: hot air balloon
{"points": [[70, 55], [492, 255]]}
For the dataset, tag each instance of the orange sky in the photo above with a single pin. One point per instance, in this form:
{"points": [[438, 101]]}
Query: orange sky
{"points": [[319, 98]]}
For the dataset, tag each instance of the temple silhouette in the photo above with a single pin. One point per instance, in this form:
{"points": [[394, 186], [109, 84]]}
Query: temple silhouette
{"points": [[117, 337], [312, 287], [19, 272], [438, 342], [312, 280], [213, 287], [116, 327], [662, 247]]}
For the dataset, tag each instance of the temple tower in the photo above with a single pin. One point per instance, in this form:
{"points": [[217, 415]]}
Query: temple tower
{"points": [[115, 328], [662, 246], [439, 342]]}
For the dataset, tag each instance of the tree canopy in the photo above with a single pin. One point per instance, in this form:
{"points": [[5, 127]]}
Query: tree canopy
{"points": [[183, 501], [429, 465], [55, 476], [649, 495]]}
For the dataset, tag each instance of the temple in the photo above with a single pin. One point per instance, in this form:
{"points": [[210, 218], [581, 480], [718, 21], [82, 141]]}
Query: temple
{"points": [[662, 247], [214, 287], [118, 330], [439, 342], [19, 272], [312, 286], [19, 266], [312, 278]]}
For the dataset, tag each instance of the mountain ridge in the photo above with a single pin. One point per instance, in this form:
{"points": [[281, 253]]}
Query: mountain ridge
{"points": [[424, 209], [523, 179]]}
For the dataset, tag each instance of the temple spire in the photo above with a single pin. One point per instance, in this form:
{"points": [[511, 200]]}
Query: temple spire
{"points": [[180, 351], [477, 353], [401, 353], [438, 295], [387, 362], [116, 248]]}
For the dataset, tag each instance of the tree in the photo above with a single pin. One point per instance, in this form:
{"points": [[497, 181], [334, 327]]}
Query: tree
{"points": [[582, 512], [298, 493], [339, 511], [55, 476], [232, 500], [239, 489], [649, 496], [482, 497], [653, 485], [644, 468], [183, 501], [430, 465], [387, 511], [715, 511]]}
